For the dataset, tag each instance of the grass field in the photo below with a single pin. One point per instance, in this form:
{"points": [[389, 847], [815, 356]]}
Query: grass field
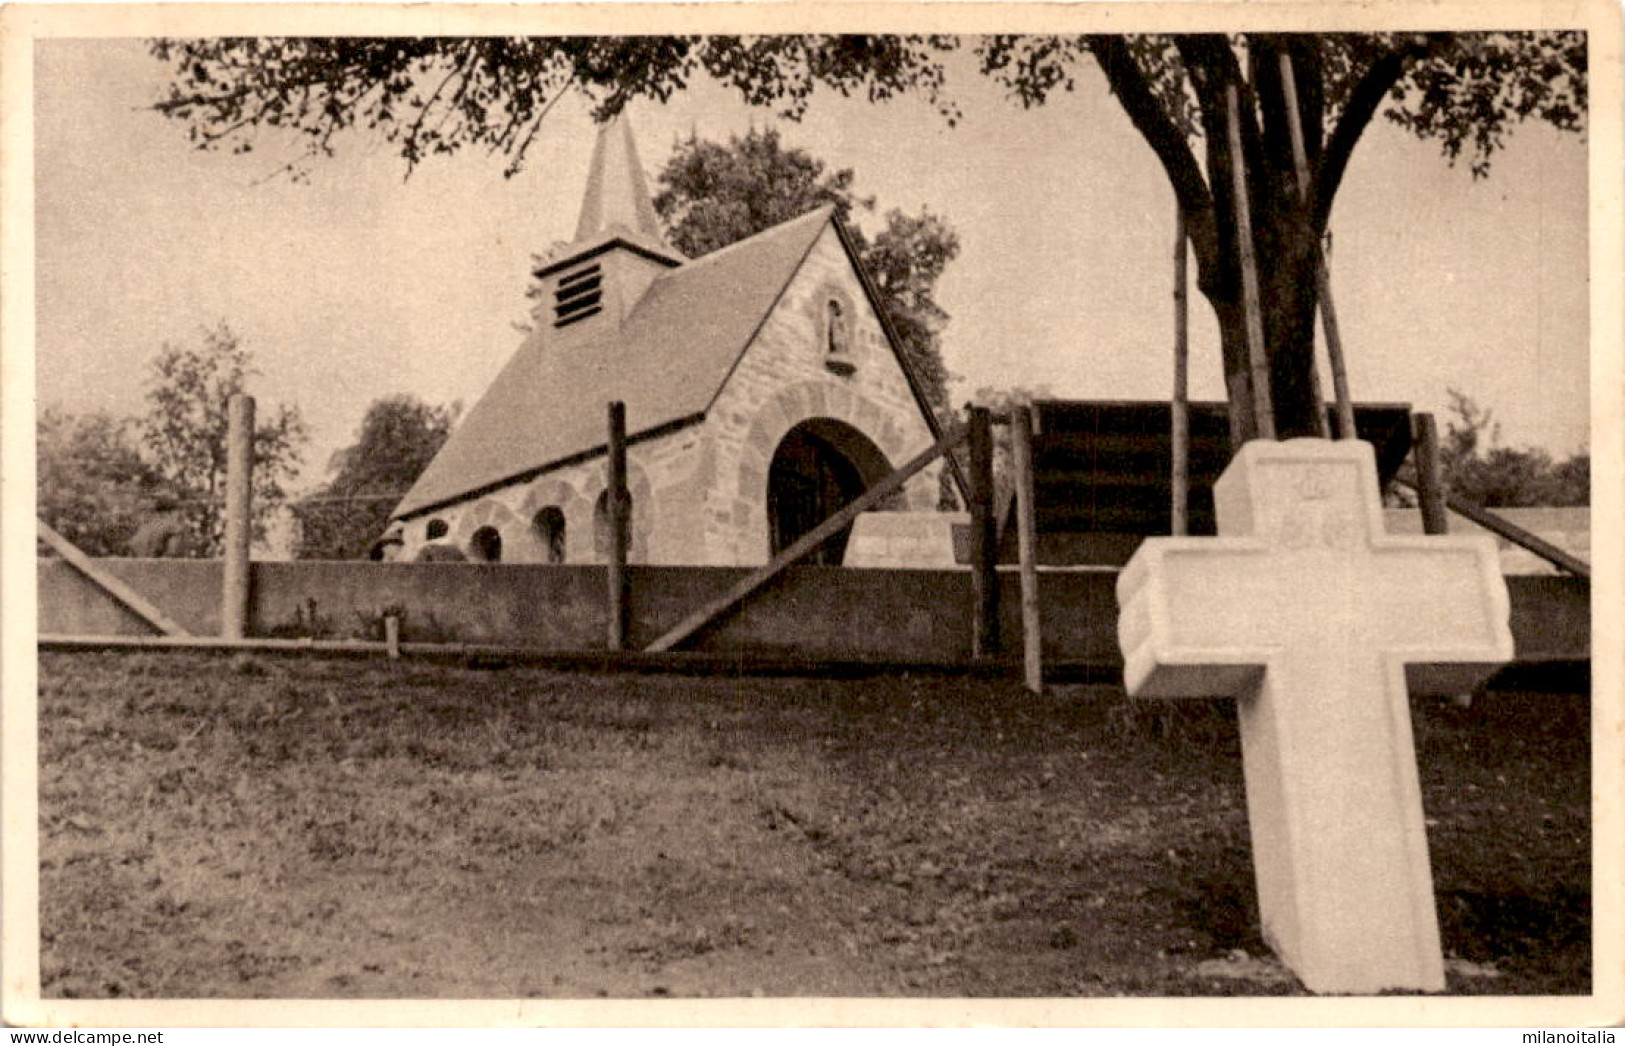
{"points": [[286, 827]]}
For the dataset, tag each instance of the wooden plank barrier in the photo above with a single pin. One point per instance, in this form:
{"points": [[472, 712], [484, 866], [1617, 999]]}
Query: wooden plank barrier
{"points": [[1429, 484], [1252, 308], [1511, 531], [1323, 278], [1180, 408], [236, 571]]}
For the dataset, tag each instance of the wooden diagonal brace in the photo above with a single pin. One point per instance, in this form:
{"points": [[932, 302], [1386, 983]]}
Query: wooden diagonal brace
{"points": [[126, 595], [809, 541], [1524, 539]]}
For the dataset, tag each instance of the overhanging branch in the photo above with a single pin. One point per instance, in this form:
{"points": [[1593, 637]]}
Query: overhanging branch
{"points": [[1363, 102], [1162, 134]]}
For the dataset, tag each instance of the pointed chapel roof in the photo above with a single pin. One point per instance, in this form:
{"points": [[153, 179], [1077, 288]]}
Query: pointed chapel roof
{"points": [[617, 204], [667, 362]]}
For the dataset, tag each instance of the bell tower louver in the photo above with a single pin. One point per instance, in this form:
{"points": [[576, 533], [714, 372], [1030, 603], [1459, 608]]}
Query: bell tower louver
{"points": [[596, 280]]}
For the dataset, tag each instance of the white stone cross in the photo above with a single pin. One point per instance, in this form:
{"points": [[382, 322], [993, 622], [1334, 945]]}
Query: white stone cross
{"points": [[1310, 614]]}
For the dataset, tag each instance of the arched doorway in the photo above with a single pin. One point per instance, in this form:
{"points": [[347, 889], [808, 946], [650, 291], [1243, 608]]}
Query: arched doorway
{"points": [[819, 466]]}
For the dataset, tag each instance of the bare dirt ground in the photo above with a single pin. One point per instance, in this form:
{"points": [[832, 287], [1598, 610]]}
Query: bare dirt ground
{"points": [[268, 827]]}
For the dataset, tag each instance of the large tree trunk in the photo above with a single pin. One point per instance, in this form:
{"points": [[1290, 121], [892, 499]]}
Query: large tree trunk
{"points": [[1286, 276], [1287, 218], [1287, 299], [1287, 279], [1285, 242]]}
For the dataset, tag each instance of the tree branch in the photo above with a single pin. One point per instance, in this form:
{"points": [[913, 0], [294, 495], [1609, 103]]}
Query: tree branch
{"points": [[1362, 105], [1210, 64], [1163, 135]]}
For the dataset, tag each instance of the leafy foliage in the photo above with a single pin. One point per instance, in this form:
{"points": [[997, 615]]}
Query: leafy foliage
{"points": [[92, 484], [1477, 468], [1470, 93], [185, 433], [433, 95], [1464, 90], [905, 261], [712, 195], [399, 436]]}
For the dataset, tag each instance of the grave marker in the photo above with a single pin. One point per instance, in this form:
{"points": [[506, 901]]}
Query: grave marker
{"points": [[1314, 617]]}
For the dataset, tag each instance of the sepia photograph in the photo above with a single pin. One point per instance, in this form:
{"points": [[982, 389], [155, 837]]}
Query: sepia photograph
{"points": [[800, 514]]}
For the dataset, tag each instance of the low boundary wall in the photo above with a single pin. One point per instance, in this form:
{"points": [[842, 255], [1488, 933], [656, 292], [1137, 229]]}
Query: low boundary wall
{"points": [[808, 612]]}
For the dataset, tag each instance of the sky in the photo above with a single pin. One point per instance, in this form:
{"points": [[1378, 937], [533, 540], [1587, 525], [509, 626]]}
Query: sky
{"points": [[363, 282]]}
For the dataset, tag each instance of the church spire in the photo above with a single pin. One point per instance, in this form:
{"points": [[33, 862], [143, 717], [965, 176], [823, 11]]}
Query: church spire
{"points": [[617, 200], [618, 252]]}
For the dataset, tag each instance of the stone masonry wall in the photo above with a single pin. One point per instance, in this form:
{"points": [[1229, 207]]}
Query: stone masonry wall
{"points": [[660, 478], [784, 379]]}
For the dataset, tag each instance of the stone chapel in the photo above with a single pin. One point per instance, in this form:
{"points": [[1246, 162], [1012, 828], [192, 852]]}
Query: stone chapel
{"points": [[763, 390]]}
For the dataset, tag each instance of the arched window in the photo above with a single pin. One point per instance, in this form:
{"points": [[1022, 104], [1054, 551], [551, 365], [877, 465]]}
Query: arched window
{"points": [[486, 545], [437, 528], [549, 524], [386, 548]]}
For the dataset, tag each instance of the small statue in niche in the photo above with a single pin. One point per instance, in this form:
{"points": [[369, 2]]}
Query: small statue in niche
{"points": [[838, 338]]}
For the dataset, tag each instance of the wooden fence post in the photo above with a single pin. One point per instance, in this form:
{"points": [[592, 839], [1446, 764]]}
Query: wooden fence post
{"points": [[1179, 434], [619, 505], [985, 639], [239, 525], [1252, 309], [1323, 278], [1430, 492], [1032, 635]]}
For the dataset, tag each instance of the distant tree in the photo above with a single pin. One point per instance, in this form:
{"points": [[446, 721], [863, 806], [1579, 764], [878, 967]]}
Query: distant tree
{"points": [[185, 432], [712, 194], [399, 436], [1573, 480], [905, 260], [91, 483], [1477, 468]]}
